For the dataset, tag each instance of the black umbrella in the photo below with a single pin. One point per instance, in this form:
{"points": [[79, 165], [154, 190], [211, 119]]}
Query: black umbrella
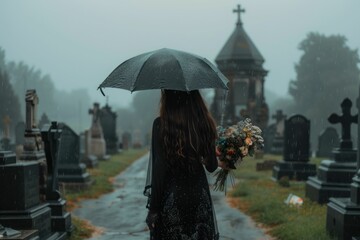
{"points": [[166, 69]]}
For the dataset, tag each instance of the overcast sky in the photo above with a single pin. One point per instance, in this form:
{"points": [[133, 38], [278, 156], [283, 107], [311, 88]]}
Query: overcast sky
{"points": [[79, 42]]}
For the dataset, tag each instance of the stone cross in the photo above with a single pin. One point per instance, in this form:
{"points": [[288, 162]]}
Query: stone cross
{"points": [[278, 116], [6, 123], [238, 10], [346, 119], [32, 101]]}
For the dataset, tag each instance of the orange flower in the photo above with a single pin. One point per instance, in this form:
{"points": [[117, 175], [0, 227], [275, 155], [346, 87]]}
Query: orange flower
{"points": [[248, 141]]}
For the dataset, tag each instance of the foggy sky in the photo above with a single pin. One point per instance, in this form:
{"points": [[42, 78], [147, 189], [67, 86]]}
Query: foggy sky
{"points": [[79, 42]]}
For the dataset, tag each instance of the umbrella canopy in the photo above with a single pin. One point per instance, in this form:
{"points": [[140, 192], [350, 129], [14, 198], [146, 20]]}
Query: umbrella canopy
{"points": [[166, 69]]}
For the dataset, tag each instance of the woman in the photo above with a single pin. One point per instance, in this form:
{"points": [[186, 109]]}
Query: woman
{"points": [[183, 140]]}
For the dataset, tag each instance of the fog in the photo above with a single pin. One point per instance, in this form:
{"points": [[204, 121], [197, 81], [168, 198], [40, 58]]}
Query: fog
{"points": [[78, 43]]}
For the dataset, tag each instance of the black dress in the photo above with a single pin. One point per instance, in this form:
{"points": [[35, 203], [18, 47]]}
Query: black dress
{"points": [[180, 196]]}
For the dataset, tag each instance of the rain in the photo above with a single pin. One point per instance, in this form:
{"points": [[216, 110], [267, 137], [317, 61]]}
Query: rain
{"points": [[81, 84]]}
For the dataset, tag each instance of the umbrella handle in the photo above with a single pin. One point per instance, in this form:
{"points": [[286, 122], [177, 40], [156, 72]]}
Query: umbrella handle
{"points": [[101, 91]]}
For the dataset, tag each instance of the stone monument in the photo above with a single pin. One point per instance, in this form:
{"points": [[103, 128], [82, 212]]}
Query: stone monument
{"points": [[343, 214], [334, 176], [71, 172], [277, 146], [108, 124], [32, 149], [97, 142], [328, 140], [22, 208], [91, 161], [60, 219], [296, 151]]}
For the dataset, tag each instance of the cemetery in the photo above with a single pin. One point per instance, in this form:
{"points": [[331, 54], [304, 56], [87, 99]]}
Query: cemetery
{"points": [[74, 166]]}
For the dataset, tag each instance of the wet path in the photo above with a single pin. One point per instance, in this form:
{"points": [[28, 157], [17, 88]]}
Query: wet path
{"points": [[122, 213]]}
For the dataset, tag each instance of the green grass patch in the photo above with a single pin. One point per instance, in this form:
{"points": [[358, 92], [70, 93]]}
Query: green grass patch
{"points": [[263, 199], [103, 176]]}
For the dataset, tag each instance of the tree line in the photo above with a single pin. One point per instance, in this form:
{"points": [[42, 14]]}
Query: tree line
{"points": [[62, 106]]}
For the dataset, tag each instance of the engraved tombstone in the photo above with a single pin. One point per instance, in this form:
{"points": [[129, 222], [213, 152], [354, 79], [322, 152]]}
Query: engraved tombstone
{"points": [[296, 151], [71, 172], [22, 208], [108, 124]]}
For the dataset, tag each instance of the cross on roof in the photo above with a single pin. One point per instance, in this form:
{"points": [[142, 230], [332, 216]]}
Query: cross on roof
{"points": [[346, 119], [238, 10]]}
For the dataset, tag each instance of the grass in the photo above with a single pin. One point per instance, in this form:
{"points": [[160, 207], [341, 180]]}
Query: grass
{"points": [[103, 176], [263, 199]]}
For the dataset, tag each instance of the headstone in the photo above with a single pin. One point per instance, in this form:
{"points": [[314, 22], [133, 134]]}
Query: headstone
{"points": [[328, 140], [343, 214], [335, 176], [277, 146], [126, 140], [60, 219], [296, 151], [21, 208], [43, 120], [269, 135], [108, 124], [91, 161], [97, 142], [32, 149], [71, 172]]}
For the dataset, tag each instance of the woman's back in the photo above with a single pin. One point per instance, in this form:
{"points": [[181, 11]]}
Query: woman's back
{"points": [[180, 193]]}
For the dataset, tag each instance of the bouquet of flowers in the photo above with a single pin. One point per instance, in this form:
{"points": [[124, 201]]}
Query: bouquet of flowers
{"points": [[233, 144]]}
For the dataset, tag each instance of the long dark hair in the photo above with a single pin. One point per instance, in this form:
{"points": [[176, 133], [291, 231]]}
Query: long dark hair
{"points": [[187, 128]]}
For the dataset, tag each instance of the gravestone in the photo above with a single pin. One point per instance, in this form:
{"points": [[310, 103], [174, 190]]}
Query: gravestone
{"points": [[32, 148], [43, 120], [22, 209], [277, 146], [335, 176], [328, 140], [126, 140], [108, 124], [343, 214], [71, 172], [269, 135], [97, 142], [91, 161], [60, 219], [296, 151], [19, 138]]}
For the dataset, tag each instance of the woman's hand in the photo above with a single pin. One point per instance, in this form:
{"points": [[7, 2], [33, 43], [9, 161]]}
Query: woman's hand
{"points": [[223, 165]]}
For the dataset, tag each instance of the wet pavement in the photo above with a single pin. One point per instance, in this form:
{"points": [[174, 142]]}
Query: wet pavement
{"points": [[121, 214]]}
